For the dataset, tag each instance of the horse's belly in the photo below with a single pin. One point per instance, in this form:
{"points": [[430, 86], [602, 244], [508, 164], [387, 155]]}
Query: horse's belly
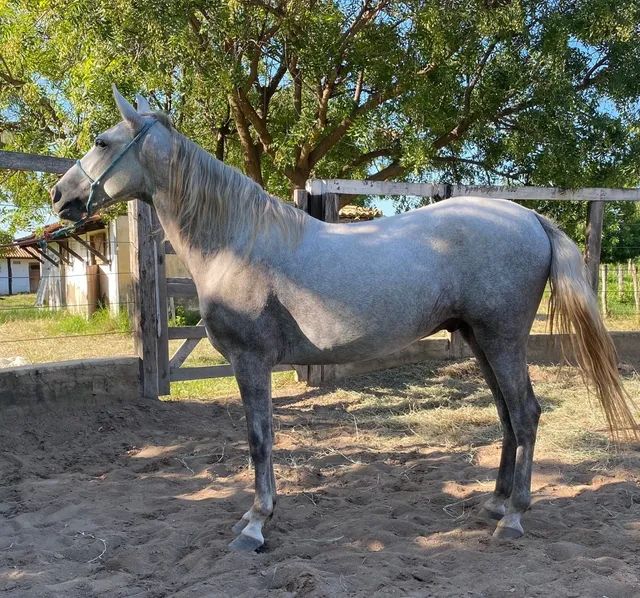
{"points": [[358, 350], [326, 336]]}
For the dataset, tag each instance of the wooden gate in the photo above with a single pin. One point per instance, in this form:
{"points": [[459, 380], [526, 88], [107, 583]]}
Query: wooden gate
{"points": [[151, 289]]}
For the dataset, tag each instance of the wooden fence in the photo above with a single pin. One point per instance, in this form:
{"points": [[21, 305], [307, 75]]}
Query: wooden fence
{"points": [[321, 199]]}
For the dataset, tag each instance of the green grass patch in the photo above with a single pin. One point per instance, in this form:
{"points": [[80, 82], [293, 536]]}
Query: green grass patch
{"points": [[100, 321], [22, 307], [17, 308], [219, 387]]}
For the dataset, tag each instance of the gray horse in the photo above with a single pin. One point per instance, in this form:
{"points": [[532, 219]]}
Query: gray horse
{"points": [[277, 286]]}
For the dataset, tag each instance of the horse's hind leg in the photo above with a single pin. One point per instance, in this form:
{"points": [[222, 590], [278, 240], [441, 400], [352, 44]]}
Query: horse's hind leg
{"points": [[495, 506], [507, 359]]}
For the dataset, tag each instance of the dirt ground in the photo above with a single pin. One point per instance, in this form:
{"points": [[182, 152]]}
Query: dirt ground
{"points": [[380, 482]]}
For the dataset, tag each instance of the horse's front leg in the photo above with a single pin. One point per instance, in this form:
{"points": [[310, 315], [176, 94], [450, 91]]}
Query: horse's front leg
{"points": [[254, 380]]}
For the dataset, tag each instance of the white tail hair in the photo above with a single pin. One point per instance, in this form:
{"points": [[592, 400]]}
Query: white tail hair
{"points": [[573, 312]]}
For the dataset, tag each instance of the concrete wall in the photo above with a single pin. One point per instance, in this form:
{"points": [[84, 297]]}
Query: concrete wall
{"points": [[119, 378], [71, 381], [542, 349]]}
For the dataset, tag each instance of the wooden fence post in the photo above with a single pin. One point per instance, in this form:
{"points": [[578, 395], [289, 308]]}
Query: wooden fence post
{"points": [[162, 309], [603, 289], [301, 199], [145, 307], [593, 242], [636, 291], [620, 283]]}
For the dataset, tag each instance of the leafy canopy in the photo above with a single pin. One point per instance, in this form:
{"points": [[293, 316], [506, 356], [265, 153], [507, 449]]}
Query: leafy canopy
{"points": [[479, 91]]}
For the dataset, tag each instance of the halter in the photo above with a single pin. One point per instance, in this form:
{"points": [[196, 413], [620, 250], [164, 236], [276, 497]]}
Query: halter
{"points": [[95, 183]]}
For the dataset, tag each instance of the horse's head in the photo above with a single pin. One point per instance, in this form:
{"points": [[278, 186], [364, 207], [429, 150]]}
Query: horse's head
{"points": [[113, 169]]}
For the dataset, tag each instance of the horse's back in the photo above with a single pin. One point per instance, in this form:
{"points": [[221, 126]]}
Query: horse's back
{"points": [[376, 286], [459, 242]]}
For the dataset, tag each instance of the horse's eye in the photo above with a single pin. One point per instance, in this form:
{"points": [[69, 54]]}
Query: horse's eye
{"points": [[100, 142]]}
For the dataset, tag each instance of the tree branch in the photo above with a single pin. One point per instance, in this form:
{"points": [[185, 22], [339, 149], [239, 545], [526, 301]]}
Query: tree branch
{"points": [[477, 75], [8, 77], [358, 90], [254, 118], [365, 159], [391, 171], [590, 78], [334, 136], [269, 91], [514, 176], [251, 150], [466, 118]]}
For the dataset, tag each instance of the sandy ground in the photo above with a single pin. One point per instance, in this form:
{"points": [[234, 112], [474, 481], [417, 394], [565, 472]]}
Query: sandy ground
{"points": [[118, 499]]}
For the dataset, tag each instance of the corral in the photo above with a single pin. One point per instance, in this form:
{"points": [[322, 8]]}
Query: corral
{"points": [[380, 479]]}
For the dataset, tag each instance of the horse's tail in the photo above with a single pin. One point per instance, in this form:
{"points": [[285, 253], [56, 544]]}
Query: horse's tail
{"points": [[573, 312]]}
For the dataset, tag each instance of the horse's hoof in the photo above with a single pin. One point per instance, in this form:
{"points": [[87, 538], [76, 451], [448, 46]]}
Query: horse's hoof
{"points": [[239, 526], [244, 543], [508, 533], [491, 513]]}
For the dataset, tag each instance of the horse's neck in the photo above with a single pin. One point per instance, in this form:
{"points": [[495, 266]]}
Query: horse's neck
{"points": [[207, 262]]}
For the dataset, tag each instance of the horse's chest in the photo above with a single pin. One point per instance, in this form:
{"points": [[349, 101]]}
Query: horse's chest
{"points": [[235, 330]]}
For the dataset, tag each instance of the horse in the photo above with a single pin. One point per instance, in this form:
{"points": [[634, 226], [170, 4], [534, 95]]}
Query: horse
{"points": [[278, 286]]}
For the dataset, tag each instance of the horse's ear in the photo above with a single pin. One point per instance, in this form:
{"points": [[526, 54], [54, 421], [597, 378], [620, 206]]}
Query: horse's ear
{"points": [[128, 112], [142, 105]]}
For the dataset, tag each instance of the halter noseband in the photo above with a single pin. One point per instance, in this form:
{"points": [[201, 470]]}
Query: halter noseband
{"points": [[95, 183]]}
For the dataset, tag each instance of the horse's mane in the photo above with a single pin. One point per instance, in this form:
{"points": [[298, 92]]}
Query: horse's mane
{"points": [[216, 204]]}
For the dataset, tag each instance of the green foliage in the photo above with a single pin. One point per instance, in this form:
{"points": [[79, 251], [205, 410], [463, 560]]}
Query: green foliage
{"points": [[101, 321], [474, 92], [185, 317]]}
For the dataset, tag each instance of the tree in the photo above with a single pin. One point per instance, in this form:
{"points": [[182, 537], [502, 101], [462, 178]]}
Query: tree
{"points": [[480, 91]]}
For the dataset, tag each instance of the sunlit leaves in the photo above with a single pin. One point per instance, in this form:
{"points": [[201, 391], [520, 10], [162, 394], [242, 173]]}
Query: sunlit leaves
{"points": [[479, 91]]}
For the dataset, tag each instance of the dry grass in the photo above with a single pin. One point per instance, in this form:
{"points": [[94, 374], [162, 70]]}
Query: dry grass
{"points": [[449, 405], [32, 340]]}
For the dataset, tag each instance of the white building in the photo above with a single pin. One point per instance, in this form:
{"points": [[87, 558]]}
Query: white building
{"points": [[19, 271], [85, 269]]}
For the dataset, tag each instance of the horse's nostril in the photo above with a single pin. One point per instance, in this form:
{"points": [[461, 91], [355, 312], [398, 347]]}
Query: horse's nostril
{"points": [[55, 194]]}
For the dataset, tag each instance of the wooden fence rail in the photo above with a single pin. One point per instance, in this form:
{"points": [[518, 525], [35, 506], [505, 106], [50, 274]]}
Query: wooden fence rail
{"points": [[349, 187], [320, 198], [34, 162]]}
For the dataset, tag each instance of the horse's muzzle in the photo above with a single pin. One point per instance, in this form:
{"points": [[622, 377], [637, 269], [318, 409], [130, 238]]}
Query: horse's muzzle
{"points": [[68, 209]]}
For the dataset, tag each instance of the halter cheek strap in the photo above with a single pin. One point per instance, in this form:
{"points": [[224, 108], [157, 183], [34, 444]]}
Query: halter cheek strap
{"points": [[95, 183]]}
